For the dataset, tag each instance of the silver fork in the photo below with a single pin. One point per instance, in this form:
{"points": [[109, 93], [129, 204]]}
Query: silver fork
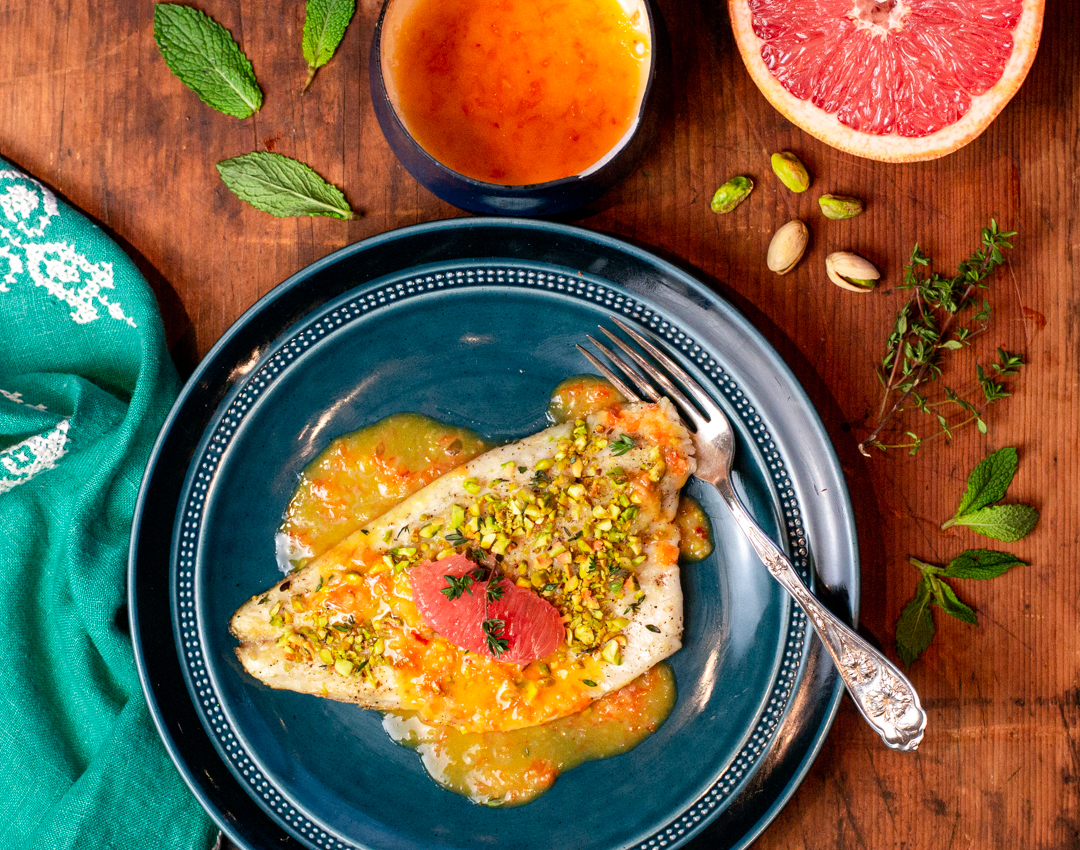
{"points": [[883, 694]]}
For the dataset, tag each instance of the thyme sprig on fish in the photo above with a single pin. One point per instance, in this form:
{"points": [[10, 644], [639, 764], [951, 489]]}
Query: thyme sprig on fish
{"points": [[456, 538], [494, 629], [622, 445], [495, 590], [456, 586], [929, 326]]}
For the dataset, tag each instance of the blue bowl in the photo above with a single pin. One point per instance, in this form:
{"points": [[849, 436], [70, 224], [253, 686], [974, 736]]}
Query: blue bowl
{"points": [[550, 198]]}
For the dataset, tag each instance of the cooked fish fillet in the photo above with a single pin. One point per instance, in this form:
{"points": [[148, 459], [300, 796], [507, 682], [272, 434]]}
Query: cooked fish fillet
{"points": [[581, 513]]}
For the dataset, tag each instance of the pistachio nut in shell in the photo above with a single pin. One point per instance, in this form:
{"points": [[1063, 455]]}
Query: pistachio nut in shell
{"points": [[731, 194], [850, 271], [791, 171], [840, 206], [787, 246]]}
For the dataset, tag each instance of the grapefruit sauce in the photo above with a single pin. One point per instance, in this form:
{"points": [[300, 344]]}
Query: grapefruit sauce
{"points": [[517, 92]]}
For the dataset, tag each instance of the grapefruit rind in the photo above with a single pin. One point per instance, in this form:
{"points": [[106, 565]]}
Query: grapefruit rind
{"points": [[892, 147]]}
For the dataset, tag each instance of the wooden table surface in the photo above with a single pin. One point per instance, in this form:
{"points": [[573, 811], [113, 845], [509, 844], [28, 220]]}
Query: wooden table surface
{"points": [[88, 106]]}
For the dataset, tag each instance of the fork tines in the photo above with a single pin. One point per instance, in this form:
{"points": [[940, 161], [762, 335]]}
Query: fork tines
{"points": [[698, 414]]}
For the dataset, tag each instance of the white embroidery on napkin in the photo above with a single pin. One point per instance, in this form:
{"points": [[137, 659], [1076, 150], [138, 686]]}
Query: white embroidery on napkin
{"points": [[62, 271], [24, 461], [18, 399], [11, 265], [21, 200], [69, 276]]}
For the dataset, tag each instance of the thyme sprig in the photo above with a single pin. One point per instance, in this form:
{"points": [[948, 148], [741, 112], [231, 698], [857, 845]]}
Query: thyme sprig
{"points": [[934, 321], [493, 632], [457, 585], [494, 628]]}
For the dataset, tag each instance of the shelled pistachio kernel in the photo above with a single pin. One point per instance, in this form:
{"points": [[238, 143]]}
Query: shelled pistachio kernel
{"points": [[791, 171], [731, 194], [787, 246], [850, 271], [840, 206]]}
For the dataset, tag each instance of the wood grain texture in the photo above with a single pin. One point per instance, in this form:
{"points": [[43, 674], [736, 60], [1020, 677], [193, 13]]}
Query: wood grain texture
{"points": [[88, 106]]}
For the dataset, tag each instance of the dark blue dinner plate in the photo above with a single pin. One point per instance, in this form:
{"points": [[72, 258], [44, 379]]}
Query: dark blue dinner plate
{"points": [[474, 322]]}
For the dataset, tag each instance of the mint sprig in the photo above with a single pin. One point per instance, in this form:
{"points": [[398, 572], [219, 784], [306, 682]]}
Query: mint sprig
{"points": [[325, 22], [915, 626], [206, 59], [282, 186], [987, 484]]}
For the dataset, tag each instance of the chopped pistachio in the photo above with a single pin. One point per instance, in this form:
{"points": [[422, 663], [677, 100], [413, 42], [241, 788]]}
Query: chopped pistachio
{"points": [[612, 652], [343, 666]]}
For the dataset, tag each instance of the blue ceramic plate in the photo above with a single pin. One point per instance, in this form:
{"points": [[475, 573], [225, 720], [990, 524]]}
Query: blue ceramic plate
{"points": [[474, 322]]}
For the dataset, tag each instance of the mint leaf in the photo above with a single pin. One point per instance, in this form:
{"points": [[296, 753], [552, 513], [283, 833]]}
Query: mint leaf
{"points": [[1001, 522], [988, 482], [945, 597], [282, 186], [915, 627], [324, 27], [981, 564], [204, 56]]}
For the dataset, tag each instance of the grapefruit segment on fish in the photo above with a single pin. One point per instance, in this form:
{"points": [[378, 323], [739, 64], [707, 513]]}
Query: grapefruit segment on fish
{"points": [[892, 80], [530, 626]]}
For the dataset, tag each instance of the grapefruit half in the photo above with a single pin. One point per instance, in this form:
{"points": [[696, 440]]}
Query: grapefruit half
{"points": [[892, 80]]}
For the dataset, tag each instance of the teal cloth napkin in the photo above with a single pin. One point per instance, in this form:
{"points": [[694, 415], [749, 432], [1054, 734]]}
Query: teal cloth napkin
{"points": [[85, 383]]}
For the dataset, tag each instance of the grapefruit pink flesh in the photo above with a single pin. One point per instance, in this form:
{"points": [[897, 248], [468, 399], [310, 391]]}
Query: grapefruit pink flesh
{"points": [[532, 626], [894, 80], [905, 66]]}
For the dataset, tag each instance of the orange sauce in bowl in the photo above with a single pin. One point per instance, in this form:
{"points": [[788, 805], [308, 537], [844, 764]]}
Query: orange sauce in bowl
{"points": [[517, 92]]}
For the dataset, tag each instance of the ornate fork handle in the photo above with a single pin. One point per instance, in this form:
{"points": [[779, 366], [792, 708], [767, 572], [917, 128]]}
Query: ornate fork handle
{"points": [[883, 694]]}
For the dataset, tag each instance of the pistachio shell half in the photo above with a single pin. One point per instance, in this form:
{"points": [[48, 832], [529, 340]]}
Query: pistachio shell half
{"points": [[850, 271], [787, 246]]}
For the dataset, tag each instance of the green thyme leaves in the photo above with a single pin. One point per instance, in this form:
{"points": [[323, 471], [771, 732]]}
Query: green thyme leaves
{"points": [[493, 632], [943, 315], [206, 59], [282, 186], [915, 627], [987, 484], [457, 585], [495, 590], [455, 538], [622, 445], [325, 22]]}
